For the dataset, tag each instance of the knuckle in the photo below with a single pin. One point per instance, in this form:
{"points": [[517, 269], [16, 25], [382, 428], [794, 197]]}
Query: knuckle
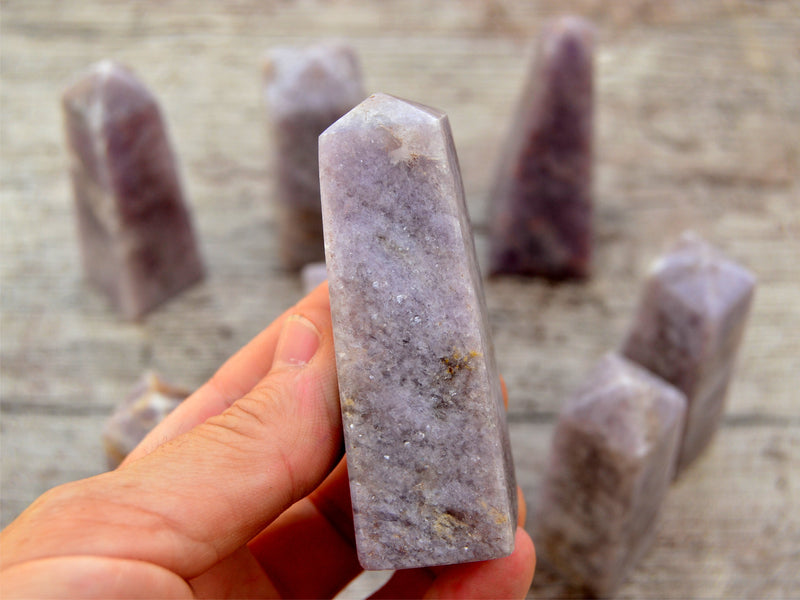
{"points": [[258, 414]]}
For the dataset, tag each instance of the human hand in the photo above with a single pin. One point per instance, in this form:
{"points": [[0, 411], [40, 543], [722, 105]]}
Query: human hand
{"points": [[237, 493]]}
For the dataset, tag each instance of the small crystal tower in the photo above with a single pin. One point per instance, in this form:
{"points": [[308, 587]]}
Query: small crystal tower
{"points": [[145, 407], [306, 90], [612, 460], [541, 203], [688, 330], [428, 453], [136, 236]]}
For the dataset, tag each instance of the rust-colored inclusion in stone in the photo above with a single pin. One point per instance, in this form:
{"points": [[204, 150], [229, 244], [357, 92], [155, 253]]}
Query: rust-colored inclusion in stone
{"points": [[428, 453], [306, 89], [688, 330], [541, 202], [613, 457], [136, 237]]}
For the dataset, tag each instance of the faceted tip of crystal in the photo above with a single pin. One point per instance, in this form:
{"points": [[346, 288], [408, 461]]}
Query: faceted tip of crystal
{"points": [[106, 67], [105, 87], [573, 25], [410, 124], [99, 73], [569, 34], [701, 253], [108, 70], [393, 105], [689, 241], [701, 275], [386, 110], [621, 395], [316, 77], [692, 239]]}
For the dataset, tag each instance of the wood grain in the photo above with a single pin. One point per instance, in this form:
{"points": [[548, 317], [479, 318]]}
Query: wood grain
{"points": [[698, 125]]}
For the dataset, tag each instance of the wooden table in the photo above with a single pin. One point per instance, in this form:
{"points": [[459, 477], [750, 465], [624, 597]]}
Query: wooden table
{"points": [[698, 106]]}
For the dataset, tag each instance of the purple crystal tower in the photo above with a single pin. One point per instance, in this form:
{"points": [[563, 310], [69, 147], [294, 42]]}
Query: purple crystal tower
{"points": [[688, 329], [612, 460], [541, 203], [431, 474], [136, 236], [306, 90], [150, 401]]}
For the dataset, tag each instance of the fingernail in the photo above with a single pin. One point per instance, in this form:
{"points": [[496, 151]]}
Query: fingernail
{"points": [[297, 343]]}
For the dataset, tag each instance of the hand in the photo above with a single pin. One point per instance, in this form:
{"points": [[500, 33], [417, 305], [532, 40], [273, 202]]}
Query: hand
{"points": [[236, 494]]}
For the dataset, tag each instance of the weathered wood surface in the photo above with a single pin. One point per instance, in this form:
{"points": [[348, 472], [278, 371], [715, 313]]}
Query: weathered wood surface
{"points": [[698, 126]]}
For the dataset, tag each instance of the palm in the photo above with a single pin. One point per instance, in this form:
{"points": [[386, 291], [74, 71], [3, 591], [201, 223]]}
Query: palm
{"points": [[178, 520]]}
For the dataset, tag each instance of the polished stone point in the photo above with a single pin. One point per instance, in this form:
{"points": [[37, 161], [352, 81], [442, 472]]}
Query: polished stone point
{"points": [[145, 407], [313, 274], [431, 473], [136, 237], [613, 457], [306, 90], [541, 203], [688, 330]]}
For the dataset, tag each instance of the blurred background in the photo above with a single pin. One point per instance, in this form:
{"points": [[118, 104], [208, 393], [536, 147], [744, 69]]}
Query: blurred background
{"points": [[697, 126]]}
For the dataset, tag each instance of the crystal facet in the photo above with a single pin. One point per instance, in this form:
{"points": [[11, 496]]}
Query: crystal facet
{"points": [[431, 474], [145, 407], [306, 90], [688, 330], [612, 460], [136, 235], [541, 203]]}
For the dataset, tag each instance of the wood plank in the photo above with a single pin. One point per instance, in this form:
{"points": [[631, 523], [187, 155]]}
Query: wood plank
{"points": [[698, 106], [728, 529]]}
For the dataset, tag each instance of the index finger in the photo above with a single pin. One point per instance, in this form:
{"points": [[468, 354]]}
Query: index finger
{"points": [[234, 379]]}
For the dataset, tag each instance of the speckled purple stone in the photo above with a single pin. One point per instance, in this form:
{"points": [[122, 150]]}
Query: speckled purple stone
{"points": [[612, 460], [688, 330], [306, 89], [541, 202], [431, 474], [136, 236], [145, 407]]}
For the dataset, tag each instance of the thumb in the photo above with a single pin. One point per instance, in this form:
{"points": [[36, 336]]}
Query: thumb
{"points": [[202, 495]]}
